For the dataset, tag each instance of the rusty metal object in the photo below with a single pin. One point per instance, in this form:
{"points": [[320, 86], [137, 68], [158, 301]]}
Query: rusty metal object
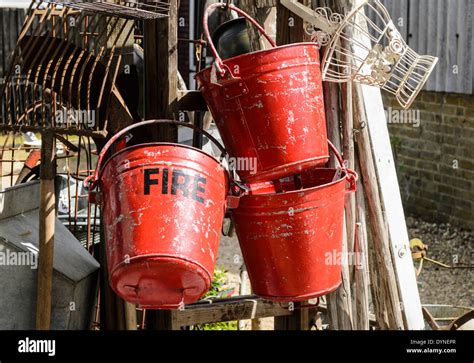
{"points": [[163, 206], [292, 241], [268, 106], [65, 65], [128, 9]]}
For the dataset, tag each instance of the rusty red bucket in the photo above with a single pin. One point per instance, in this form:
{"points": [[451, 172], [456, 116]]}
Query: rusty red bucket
{"points": [[163, 206], [289, 239], [268, 105]]}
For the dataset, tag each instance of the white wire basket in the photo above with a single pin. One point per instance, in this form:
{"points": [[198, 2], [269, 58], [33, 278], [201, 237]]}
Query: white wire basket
{"points": [[367, 48]]}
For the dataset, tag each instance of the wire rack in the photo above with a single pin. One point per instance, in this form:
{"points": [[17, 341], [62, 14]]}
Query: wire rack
{"points": [[65, 66], [124, 9], [367, 48]]}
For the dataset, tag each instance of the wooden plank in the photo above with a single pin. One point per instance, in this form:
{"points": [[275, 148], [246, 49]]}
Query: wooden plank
{"points": [[361, 273], [161, 89], [393, 208], [394, 214], [387, 294], [240, 308], [331, 100], [2, 46], [161, 70], [289, 26], [297, 321]]}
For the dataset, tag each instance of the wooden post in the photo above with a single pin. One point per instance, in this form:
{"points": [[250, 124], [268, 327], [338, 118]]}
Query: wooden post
{"points": [[361, 271], [390, 197], [47, 220], [161, 85], [289, 26], [130, 316], [108, 298], [339, 302], [260, 11], [161, 70], [299, 320], [380, 236]]}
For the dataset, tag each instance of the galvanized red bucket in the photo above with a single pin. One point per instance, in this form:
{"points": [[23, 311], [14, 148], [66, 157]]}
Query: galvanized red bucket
{"points": [[163, 206], [268, 105], [289, 239]]}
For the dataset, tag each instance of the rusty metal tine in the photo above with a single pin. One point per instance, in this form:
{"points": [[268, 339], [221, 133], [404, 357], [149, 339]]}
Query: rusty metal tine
{"points": [[40, 69], [28, 49], [26, 25], [117, 65], [53, 93]]}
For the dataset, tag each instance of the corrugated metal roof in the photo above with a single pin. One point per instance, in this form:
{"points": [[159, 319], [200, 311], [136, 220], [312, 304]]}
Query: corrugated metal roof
{"points": [[443, 28]]}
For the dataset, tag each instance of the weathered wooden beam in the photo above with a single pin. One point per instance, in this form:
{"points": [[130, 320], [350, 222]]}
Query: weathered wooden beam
{"points": [[390, 198], [47, 221], [361, 271], [161, 71], [238, 308], [289, 26], [161, 89], [380, 238], [298, 320]]}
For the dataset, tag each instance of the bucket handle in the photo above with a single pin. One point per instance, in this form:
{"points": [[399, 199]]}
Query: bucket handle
{"points": [[351, 175], [219, 63], [91, 182]]}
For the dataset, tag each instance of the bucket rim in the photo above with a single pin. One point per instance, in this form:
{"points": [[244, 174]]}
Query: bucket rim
{"points": [[129, 148], [260, 52], [343, 177]]}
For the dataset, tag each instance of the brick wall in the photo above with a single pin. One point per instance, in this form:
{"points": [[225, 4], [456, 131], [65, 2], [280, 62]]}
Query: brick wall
{"points": [[435, 161]]}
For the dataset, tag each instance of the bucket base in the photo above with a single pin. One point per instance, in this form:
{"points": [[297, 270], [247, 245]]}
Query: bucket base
{"points": [[299, 297], [160, 282]]}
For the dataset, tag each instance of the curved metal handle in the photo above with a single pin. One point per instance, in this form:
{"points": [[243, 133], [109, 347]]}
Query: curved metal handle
{"points": [[118, 135], [209, 10], [351, 175]]}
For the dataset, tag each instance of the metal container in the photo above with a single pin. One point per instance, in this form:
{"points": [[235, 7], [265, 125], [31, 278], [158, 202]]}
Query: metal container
{"points": [[232, 38], [163, 206], [291, 241], [75, 276], [268, 105]]}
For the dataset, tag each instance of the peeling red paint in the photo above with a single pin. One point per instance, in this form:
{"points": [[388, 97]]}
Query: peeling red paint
{"points": [[162, 247], [281, 110]]}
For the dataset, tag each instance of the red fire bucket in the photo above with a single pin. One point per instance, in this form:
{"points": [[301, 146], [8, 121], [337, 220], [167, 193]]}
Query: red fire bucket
{"points": [[163, 206], [289, 240], [268, 105]]}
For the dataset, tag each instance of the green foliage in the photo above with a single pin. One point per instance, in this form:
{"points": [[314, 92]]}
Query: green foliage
{"points": [[218, 286]]}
